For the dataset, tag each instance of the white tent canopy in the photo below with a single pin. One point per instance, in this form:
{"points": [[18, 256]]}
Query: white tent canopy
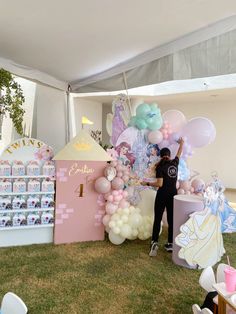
{"points": [[90, 44]]}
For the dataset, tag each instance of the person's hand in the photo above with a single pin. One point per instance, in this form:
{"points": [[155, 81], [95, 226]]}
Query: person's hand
{"points": [[180, 141]]}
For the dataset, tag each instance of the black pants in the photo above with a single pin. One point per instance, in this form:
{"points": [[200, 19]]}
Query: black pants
{"points": [[163, 201]]}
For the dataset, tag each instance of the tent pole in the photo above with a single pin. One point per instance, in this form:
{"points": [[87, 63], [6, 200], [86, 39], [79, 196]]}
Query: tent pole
{"points": [[126, 87], [68, 114]]}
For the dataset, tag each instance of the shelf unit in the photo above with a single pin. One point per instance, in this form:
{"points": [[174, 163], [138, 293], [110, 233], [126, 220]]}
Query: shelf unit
{"points": [[26, 234], [26, 227], [25, 177], [26, 193], [26, 210]]}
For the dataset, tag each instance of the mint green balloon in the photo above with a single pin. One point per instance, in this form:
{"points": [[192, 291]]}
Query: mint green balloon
{"points": [[142, 110], [141, 124]]}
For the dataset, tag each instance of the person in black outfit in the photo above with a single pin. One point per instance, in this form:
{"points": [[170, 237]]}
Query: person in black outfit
{"points": [[166, 174]]}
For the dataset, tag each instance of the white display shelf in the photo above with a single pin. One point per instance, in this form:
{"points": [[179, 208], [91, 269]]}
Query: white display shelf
{"points": [[24, 177], [26, 227], [26, 193], [26, 210]]}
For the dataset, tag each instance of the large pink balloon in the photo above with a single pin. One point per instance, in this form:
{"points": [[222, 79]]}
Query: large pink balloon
{"points": [[199, 132], [117, 184], [155, 137], [102, 185], [175, 118]]}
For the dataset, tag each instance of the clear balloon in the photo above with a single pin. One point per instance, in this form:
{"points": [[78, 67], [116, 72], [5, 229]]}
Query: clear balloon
{"points": [[110, 173], [175, 118]]}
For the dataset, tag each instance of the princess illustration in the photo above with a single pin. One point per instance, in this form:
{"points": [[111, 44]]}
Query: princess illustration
{"points": [[201, 238], [153, 154], [124, 154]]}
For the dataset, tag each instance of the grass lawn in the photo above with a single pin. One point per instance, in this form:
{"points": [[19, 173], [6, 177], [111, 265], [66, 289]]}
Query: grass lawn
{"points": [[98, 277]]}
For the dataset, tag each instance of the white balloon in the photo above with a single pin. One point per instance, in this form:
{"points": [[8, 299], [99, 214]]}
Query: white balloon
{"points": [[116, 230], [115, 217], [112, 224], [106, 220], [124, 218], [135, 220], [119, 223], [107, 229], [115, 238], [126, 210], [125, 231]]}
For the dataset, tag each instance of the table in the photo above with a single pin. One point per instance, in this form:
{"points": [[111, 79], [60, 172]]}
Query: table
{"points": [[224, 298], [184, 205]]}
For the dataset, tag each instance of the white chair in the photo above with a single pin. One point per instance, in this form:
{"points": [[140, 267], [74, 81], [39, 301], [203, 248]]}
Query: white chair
{"points": [[220, 276], [12, 304], [207, 279], [196, 310]]}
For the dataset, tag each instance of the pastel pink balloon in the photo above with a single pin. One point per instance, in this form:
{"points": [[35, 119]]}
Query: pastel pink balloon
{"points": [[125, 193], [181, 191], [119, 174], [199, 131], [124, 204], [111, 208], [185, 185], [118, 198], [192, 189], [115, 192], [119, 162], [117, 183], [110, 198], [102, 185], [107, 195], [119, 168], [155, 137]]}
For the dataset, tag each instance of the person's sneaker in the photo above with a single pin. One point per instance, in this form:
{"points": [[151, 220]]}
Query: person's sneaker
{"points": [[154, 248], [169, 247]]}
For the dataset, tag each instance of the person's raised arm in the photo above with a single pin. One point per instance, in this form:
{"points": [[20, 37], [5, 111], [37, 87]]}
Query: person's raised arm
{"points": [[181, 143]]}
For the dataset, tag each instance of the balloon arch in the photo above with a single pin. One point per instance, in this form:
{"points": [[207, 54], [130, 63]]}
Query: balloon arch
{"points": [[136, 142]]}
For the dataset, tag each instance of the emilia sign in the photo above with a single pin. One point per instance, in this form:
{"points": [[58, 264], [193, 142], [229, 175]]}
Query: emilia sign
{"points": [[23, 149], [78, 169]]}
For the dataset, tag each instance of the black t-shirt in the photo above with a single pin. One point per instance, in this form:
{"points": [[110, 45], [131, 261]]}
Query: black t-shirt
{"points": [[169, 172]]}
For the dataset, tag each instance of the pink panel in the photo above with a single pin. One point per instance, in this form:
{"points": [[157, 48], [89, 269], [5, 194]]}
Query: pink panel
{"points": [[80, 198]]}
